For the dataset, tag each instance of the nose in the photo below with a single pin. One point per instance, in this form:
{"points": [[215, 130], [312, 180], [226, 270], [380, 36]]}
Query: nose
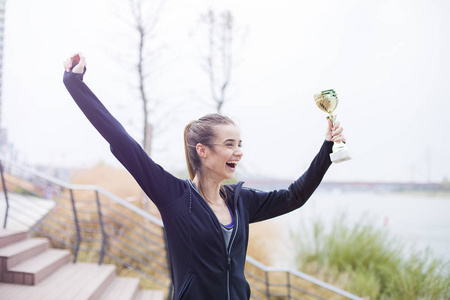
{"points": [[238, 152]]}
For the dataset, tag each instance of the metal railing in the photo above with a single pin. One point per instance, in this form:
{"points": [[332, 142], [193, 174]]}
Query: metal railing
{"points": [[278, 283], [99, 226], [96, 225]]}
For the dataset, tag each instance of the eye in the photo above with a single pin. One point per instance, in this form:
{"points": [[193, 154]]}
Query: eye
{"points": [[229, 145]]}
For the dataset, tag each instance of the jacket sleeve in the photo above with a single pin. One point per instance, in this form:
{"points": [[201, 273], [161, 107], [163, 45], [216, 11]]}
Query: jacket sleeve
{"points": [[265, 205], [158, 184]]}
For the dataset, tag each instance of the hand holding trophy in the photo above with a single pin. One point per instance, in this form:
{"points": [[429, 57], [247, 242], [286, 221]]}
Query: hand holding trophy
{"points": [[328, 101]]}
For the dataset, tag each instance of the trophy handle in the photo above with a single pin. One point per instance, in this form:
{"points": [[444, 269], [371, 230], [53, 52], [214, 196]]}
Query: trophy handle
{"points": [[331, 117]]}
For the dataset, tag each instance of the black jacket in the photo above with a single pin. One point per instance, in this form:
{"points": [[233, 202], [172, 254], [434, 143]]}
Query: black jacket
{"points": [[202, 266]]}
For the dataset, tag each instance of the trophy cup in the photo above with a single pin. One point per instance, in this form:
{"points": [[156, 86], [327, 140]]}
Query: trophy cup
{"points": [[328, 101]]}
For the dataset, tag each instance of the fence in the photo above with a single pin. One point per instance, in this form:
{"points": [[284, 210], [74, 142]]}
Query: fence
{"points": [[99, 226]]}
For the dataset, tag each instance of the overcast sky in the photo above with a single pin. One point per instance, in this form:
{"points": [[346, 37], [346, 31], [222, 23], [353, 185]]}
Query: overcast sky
{"points": [[388, 60]]}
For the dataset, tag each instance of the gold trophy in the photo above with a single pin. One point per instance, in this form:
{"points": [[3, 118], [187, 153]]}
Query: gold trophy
{"points": [[328, 101]]}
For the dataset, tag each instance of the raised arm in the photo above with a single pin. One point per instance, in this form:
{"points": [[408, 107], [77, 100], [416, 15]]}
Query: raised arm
{"points": [[158, 184], [89, 104], [263, 205]]}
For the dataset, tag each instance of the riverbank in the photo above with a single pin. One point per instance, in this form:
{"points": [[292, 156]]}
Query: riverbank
{"points": [[419, 221]]}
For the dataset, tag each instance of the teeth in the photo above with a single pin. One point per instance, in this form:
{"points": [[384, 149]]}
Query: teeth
{"points": [[233, 162]]}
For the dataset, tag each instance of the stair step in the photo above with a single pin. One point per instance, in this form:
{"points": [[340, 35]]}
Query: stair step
{"points": [[11, 236], [35, 269], [121, 288], [93, 279], [80, 281], [17, 252], [150, 295]]}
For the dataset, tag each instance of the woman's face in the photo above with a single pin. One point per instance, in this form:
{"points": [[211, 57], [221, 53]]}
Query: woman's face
{"points": [[224, 155]]}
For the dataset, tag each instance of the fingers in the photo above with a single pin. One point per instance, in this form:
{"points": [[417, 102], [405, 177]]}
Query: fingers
{"points": [[75, 63], [339, 138], [336, 133], [81, 63], [335, 126], [74, 55]]}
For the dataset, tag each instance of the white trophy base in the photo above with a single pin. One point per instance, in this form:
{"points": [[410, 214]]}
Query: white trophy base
{"points": [[340, 156]]}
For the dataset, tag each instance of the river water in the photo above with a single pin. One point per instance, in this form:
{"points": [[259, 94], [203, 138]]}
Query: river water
{"points": [[417, 221]]}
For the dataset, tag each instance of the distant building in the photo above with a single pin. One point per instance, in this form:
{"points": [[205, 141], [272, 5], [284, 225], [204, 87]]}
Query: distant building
{"points": [[3, 137]]}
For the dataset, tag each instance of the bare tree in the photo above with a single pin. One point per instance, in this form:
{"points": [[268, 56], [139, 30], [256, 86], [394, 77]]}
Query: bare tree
{"points": [[219, 59], [139, 50], [144, 28]]}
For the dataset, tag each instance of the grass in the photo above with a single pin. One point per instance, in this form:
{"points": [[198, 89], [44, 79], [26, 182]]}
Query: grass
{"points": [[367, 261]]}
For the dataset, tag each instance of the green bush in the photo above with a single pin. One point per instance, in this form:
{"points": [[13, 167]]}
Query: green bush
{"points": [[374, 264]]}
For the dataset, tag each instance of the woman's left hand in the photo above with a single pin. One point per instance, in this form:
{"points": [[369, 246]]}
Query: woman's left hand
{"points": [[334, 132]]}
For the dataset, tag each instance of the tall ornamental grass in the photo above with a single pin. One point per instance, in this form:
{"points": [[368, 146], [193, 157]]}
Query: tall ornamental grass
{"points": [[367, 261]]}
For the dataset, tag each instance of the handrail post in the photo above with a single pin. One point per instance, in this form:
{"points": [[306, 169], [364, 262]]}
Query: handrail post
{"points": [[288, 284], [6, 195], [102, 228], [77, 226]]}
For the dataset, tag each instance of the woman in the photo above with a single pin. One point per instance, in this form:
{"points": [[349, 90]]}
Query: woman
{"points": [[206, 223]]}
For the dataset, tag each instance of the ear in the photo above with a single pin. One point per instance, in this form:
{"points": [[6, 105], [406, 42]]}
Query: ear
{"points": [[201, 150]]}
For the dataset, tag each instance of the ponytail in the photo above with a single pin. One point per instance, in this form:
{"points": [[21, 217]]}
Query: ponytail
{"points": [[187, 151]]}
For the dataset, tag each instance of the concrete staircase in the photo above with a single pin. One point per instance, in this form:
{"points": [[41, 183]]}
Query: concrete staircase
{"points": [[30, 269]]}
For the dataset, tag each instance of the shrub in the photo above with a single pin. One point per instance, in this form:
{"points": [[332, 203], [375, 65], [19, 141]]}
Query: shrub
{"points": [[374, 263]]}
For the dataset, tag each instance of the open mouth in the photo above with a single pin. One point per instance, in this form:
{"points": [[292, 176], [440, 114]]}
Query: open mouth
{"points": [[232, 164]]}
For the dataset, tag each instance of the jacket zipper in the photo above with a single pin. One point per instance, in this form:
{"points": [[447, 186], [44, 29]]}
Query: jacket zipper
{"points": [[229, 254], [227, 247]]}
